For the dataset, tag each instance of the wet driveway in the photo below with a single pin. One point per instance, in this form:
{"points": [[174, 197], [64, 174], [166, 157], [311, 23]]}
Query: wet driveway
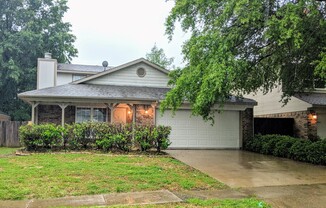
{"points": [[281, 182], [245, 169]]}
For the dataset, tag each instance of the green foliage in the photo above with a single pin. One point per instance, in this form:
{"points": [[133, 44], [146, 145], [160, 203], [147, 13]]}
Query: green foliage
{"points": [[289, 147], [157, 56], [161, 136], [28, 28], [47, 136], [101, 135], [144, 136], [240, 46]]}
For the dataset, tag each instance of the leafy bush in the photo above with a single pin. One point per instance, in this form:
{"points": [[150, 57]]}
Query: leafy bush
{"points": [[289, 147], [161, 134], [104, 136], [45, 136], [144, 136]]}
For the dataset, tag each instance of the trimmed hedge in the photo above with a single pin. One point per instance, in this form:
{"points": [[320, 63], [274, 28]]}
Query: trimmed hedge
{"points": [[289, 147], [95, 135]]}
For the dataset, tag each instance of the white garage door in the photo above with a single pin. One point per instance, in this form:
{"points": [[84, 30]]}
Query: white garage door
{"points": [[192, 132]]}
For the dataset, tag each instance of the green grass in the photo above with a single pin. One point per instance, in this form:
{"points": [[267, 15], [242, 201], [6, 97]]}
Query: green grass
{"points": [[193, 203], [7, 151], [67, 174]]}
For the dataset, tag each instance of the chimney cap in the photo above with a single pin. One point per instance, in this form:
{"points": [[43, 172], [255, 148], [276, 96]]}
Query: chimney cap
{"points": [[47, 55]]}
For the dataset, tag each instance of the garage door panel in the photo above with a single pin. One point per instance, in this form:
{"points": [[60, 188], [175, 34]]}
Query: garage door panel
{"points": [[192, 132]]}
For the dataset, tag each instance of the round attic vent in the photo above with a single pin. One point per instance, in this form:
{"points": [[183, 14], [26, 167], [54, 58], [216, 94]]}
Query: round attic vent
{"points": [[141, 72]]}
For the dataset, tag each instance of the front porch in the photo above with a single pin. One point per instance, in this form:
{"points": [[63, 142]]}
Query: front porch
{"points": [[122, 112]]}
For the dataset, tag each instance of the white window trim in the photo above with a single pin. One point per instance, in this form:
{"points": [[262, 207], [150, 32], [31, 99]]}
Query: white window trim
{"points": [[92, 110]]}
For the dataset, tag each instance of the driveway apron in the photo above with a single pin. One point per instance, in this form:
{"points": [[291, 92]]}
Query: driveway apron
{"points": [[277, 180]]}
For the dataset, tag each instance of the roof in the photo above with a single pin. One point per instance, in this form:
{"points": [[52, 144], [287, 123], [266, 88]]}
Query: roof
{"points": [[81, 68], [110, 92], [98, 92], [114, 69], [312, 98]]}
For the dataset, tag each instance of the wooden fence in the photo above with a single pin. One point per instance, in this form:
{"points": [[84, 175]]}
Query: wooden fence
{"points": [[9, 133]]}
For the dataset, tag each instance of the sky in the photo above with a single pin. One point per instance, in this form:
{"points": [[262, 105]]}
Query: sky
{"points": [[120, 31]]}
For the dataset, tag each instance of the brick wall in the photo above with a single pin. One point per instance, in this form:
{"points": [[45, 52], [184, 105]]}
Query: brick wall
{"points": [[303, 127], [52, 114], [142, 117], [247, 121]]}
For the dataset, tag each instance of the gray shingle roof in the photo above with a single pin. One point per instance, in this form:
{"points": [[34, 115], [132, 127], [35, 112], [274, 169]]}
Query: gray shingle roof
{"points": [[81, 68], [99, 92], [89, 91], [312, 98]]}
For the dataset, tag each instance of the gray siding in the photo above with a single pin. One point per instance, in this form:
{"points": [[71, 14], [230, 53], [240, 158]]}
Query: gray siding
{"points": [[270, 103], [128, 76]]}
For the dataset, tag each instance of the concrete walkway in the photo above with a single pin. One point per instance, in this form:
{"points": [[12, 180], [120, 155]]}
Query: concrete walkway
{"points": [[133, 198], [281, 182]]}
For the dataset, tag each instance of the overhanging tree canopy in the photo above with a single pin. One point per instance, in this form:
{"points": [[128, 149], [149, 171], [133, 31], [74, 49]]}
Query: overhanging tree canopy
{"points": [[28, 28], [239, 46]]}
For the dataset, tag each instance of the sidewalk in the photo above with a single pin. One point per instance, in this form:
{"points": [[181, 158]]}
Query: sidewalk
{"points": [[132, 198]]}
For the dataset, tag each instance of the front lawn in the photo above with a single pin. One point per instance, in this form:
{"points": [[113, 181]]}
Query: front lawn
{"points": [[7, 151], [71, 174]]}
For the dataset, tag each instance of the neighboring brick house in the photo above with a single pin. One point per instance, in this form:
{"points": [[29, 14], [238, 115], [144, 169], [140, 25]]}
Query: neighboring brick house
{"points": [[308, 109], [131, 93]]}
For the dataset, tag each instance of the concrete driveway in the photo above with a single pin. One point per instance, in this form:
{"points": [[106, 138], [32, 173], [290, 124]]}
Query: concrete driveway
{"points": [[281, 182]]}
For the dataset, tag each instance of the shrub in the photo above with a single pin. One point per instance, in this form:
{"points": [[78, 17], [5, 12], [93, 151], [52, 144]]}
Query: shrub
{"points": [[144, 136], [161, 136], [104, 136], [269, 143], [289, 147], [283, 145], [46, 136]]}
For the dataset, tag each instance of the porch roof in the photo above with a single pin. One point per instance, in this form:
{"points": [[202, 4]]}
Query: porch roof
{"points": [[102, 92], [71, 92]]}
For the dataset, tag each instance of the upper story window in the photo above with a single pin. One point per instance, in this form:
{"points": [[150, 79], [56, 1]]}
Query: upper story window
{"points": [[76, 77]]}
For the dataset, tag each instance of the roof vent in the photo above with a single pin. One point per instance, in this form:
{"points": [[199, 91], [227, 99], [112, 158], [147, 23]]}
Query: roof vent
{"points": [[105, 64], [47, 55]]}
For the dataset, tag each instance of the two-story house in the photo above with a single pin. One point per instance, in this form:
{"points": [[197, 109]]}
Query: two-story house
{"points": [[131, 93], [307, 109]]}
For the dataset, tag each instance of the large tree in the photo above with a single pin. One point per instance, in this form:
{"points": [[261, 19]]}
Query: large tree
{"points": [[157, 56], [28, 28], [240, 46]]}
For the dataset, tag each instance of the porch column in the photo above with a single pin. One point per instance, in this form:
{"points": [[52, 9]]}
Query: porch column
{"points": [[112, 106], [63, 107], [134, 114], [154, 113], [34, 105], [133, 109]]}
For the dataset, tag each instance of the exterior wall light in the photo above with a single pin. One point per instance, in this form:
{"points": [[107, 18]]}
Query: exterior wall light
{"points": [[314, 116]]}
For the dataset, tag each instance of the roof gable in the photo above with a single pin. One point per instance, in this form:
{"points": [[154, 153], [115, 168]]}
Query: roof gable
{"points": [[161, 73]]}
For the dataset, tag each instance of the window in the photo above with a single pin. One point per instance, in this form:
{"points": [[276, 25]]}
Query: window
{"points": [[83, 115], [90, 114], [141, 72], [99, 114], [76, 77]]}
